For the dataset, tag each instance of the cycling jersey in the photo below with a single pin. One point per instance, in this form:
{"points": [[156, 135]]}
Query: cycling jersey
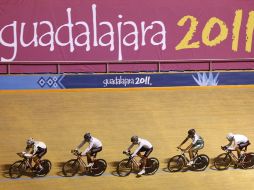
{"points": [[93, 143], [197, 140], [39, 148], [240, 139], [142, 144]]}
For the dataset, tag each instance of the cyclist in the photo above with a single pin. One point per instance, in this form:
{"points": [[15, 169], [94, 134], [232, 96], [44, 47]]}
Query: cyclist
{"points": [[35, 150], [197, 144], [143, 146], [237, 142], [94, 147]]}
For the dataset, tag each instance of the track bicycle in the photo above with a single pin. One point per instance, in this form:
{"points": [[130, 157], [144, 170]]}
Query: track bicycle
{"points": [[127, 165], [22, 167], [178, 162], [73, 166], [224, 160]]}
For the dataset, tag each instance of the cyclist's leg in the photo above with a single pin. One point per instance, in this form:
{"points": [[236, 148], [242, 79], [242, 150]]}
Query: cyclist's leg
{"points": [[147, 153], [91, 155], [88, 157], [141, 156], [37, 157], [144, 160], [242, 147], [195, 149]]}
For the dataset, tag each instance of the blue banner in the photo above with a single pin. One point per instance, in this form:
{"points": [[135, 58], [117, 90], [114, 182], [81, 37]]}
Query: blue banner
{"points": [[125, 80]]}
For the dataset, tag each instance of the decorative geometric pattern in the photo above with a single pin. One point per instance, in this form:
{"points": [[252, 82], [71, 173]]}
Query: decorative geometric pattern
{"points": [[206, 80], [50, 82]]}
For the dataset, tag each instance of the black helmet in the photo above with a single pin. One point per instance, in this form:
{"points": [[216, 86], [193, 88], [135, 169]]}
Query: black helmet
{"points": [[87, 136], [191, 132], [134, 139]]}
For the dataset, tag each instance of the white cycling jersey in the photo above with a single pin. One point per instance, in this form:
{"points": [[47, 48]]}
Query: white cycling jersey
{"points": [[197, 139], [237, 139], [240, 139], [142, 143], [93, 143], [36, 145]]}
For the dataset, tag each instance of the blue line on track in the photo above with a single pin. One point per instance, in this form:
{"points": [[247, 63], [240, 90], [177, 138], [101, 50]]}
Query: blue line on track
{"points": [[104, 175]]}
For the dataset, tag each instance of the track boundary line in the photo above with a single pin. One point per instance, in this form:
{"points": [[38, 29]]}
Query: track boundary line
{"points": [[160, 172]]}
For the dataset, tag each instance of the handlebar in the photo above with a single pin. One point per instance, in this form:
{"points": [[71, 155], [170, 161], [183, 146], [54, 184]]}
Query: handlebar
{"points": [[127, 153], [76, 152], [226, 149]]}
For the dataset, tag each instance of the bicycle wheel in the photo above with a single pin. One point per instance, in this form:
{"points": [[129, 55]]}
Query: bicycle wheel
{"points": [[200, 163], [176, 163], [222, 161], [46, 164], [152, 165], [124, 168], [98, 167], [248, 161], [17, 169], [71, 167]]}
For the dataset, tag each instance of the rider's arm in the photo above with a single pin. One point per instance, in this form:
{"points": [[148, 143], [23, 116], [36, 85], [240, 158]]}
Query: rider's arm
{"points": [[81, 144], [231, 145], [184, 141], [130, 147], [28, 152], [88, 148], [190, 146], [136, 151], [28, 149]]}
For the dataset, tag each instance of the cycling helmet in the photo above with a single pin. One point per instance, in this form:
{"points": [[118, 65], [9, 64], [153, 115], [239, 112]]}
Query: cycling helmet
{"points": [[134, 139], [30, 141], [191, 132], [230, 136], [87, 136]]}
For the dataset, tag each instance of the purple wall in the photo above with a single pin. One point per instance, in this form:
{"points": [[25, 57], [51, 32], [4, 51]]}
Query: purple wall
{"points": [[110, 30]]}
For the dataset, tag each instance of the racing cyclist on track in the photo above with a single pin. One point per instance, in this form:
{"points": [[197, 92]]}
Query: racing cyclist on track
{"points": [[143, 146], [35, 150], [94, 147], [197, 144]]}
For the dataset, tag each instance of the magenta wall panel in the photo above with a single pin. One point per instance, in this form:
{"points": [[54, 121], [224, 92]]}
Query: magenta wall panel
{"points": [[113, 30], [231, 66], [19, 69], [98, 68], [3, 69], [135, 67], [64, 32]]}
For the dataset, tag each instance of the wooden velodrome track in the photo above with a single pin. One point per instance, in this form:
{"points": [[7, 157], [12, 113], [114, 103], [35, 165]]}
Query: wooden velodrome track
{"points": [[161, 115]]}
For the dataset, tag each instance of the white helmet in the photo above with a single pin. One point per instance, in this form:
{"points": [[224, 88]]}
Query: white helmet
{"points": [[30, 141], [230, 136]]}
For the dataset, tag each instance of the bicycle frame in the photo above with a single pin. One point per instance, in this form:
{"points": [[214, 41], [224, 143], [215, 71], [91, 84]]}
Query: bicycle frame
{"points": [[186, 159], [80, 159], [79, 165], [234, 157], [25, 160], [134, 160]]}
